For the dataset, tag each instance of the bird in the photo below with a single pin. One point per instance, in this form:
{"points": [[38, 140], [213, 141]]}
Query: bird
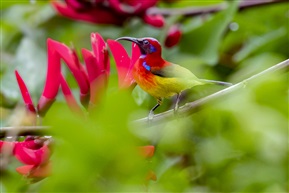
{"points": [[160, 78]]}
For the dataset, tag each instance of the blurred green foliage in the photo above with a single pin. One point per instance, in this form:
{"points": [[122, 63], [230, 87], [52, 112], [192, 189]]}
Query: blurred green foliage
{"points": [[237, 144]]}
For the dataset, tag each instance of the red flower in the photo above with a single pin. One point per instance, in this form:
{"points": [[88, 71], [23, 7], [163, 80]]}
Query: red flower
{"points": [[91, 78], [109, 12], [32, 171], [34, 153], [123, 62], [31, 156], [93, 14], [173, 36], [97, 65]]}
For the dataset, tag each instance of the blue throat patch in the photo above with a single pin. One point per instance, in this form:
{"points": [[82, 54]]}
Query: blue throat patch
{"points": [[146, 66]]}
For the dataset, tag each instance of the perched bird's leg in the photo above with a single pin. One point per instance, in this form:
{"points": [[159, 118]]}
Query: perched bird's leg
{"points": [[151, 114], [176, 108]]}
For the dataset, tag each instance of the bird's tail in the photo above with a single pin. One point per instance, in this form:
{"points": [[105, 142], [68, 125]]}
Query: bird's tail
{"points": [[216, 82]]}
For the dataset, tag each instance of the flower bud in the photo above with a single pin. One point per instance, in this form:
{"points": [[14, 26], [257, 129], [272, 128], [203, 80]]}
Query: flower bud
{"points": [[173, 36], [154, 20]]}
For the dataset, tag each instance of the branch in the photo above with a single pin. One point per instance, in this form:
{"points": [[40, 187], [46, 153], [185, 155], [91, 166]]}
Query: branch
{"points": [[193, 107], [23, 130], [185, 110], [193, 11]]}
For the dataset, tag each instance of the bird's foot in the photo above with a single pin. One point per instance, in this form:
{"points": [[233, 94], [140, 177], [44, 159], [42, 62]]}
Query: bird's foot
{"points": [[176, 109], [150, 116]]}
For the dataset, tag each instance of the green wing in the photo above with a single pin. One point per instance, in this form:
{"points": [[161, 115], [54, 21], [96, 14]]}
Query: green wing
{"points": [[174, 71]]}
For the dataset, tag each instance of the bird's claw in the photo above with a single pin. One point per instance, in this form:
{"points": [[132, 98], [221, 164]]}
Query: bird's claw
{"points": [[150, 116]]}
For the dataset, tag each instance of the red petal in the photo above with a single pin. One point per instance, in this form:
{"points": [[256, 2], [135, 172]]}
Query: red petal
{"points": [[122, 60], [32, 144], [30, 156], [53, 72], [147, 151], [70, 58], [98, 80], [154, 20], [25, 93], [99, 48], [77, 5], [131, 6], [35, 172], [96, 15], [121, 8], [90, 63], [70, 100], [129, 80]]}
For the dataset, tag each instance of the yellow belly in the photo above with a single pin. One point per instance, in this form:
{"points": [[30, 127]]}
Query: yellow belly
{"points": [[160, 87]]}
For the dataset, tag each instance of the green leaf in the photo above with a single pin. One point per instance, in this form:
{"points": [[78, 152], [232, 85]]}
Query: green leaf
{"points": [[30, 61], [204, 41], [259, 42]]}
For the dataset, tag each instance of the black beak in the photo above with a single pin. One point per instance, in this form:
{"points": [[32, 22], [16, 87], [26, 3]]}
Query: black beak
{"points": [[138, 42]]}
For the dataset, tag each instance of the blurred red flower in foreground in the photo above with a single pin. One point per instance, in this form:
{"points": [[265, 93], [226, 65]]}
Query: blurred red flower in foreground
{"points": [[109, 11], [33, 152]]}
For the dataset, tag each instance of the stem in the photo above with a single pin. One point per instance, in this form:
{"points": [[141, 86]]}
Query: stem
{"points": [[185, 110], [23, 130], [193, 11]]}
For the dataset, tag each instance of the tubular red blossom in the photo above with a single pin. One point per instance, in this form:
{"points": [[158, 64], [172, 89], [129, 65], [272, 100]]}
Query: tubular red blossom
{"points": [[147, 151], [173, 36], [70, 58], [25, 93], [70, 100], [100, 51], [53, 71], [123, 62], [98, 66], [154, 20], [31, 156], [97, 14]]}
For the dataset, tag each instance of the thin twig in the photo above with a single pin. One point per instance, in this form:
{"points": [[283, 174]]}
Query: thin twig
{"points": [[192, 11], [185, 110], [192, 107], [23, 130]]}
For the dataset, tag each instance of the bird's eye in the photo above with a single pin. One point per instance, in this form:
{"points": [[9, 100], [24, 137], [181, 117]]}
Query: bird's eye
{"points": [[145, 42]]}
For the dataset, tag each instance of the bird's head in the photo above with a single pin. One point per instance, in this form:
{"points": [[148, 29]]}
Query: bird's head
{"points": [[147, 45]]}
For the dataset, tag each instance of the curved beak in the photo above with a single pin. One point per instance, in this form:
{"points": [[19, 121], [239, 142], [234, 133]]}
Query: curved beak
{"points": [[137, 41]]}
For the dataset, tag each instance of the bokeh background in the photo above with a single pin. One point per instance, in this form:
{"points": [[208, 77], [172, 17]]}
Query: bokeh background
{"points": [[238, 143]]}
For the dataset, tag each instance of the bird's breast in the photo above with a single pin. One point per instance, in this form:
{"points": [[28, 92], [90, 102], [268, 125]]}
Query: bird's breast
{"points": [[152, 84]]}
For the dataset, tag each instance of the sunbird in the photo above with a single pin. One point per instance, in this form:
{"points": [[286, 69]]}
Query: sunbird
{"points": [[160, 78]]}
